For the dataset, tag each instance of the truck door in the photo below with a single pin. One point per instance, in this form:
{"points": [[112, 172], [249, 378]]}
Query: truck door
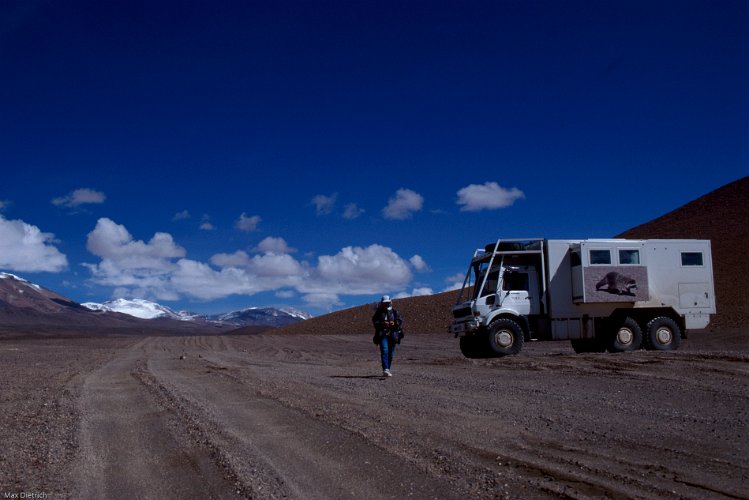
{"points": [[520, 291]]}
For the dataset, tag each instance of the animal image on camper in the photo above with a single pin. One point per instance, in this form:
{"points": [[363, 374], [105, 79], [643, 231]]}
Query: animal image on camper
{"points": [[616, 283]]}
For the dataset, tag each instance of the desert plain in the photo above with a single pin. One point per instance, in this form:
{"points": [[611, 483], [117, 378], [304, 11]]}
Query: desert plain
{"points": [[278, 415]]}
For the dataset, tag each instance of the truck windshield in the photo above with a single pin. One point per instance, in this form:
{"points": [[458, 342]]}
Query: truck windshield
{"points": [[480, 270]]}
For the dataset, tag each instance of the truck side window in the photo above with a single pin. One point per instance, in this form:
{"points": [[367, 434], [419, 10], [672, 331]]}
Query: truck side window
{"points": [[691, 259], [629, 256], [514, 281], [491, 284], [600, 256]]}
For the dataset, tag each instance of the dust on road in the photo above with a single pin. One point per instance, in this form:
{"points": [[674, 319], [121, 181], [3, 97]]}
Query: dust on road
{"points": [[300, 416]]}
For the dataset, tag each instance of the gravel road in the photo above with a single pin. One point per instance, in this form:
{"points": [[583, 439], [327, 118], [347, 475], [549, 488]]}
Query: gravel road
{"points": [[301, 416]]}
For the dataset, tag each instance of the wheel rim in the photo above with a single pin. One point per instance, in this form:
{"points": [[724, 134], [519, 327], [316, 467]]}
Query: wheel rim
{"points": [[503, 338], [664, 336], [625, 336]]}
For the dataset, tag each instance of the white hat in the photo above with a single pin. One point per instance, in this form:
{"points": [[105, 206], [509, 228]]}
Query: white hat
{"points": [[385, 298]]}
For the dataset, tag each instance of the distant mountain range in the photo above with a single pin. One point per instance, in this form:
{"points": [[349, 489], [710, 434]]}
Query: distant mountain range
{"points": [[251, 316], [25, 303]]}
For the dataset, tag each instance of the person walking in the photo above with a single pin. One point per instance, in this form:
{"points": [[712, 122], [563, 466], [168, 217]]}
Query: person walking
{"points": [[388, 333]]}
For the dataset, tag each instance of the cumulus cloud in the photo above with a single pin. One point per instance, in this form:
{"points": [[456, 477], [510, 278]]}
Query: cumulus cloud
{"points": [[358, 270], [134, 264], [25, 248], [403, 204], [454, 282], [159, 269], [80, 197], [248, 224], [351, 211], [487, 196], [322, 300], [324, 204], [273, 244], [419, 264], [416, 292], [184, 214]]}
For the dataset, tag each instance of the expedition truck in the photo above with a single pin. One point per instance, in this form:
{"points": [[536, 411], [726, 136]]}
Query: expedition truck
{"points": [[608, 294]]}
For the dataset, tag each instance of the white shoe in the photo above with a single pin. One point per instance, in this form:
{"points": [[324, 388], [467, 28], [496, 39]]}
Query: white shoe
{"points": [[387, 373]]}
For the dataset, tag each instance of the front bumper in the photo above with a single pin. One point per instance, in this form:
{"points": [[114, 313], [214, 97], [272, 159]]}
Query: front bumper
{"points": [[464, 327]]}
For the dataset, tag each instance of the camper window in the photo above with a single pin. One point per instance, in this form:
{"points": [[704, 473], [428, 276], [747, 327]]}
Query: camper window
{"points": [[691, 258], [600, 256], [629, 257]]}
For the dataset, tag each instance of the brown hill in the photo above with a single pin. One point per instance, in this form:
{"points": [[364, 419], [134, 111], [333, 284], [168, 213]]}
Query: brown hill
{"points": [[426, 314], [27, 308], [721, 216]]}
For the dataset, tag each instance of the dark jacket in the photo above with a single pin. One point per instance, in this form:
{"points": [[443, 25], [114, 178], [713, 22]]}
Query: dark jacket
{"points": [[382, 329]]}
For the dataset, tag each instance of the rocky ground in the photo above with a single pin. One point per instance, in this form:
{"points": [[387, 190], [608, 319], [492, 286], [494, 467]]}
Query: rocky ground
{"points": [[307, 416]]}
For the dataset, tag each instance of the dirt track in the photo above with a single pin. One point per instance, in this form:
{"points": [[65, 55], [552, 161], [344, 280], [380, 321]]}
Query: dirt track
{"points": [[309, 417]]}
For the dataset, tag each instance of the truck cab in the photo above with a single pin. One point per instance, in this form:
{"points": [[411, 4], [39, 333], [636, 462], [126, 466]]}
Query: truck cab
{"points": [[503, 286]]}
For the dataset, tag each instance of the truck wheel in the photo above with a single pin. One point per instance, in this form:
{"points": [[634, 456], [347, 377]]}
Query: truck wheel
{"points": [[663, 334], [625, 336], [505, 337], [471, 347], [588, 345]]}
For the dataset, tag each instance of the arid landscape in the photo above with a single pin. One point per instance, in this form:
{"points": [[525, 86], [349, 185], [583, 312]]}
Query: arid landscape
{"points": [[90, 411]]}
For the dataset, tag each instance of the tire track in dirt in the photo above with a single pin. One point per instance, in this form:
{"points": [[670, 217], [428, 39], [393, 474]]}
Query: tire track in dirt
{"points": [[126, 445], [279, 451]]}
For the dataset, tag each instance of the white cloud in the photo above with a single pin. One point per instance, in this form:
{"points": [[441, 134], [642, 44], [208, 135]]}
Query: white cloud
{"points": [[455, 282], [351, 211], [184, 214], [25, 248], [4, 204], [419, 264], [248, 224], [324, 204], [158, 269], [80, 197], [416, 292], [272, 244], [357, 271], [207, 226], [403, 204], [142, 267], [322, 300], [487, 196]]}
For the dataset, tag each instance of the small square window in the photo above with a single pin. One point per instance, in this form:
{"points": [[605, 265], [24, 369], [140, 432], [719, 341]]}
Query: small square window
{"points": [[629, 257], [600, 256], [691, 259]]}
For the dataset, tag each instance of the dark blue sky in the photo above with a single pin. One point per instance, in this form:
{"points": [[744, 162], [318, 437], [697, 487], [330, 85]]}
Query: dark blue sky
{"points": [[602, 115]]}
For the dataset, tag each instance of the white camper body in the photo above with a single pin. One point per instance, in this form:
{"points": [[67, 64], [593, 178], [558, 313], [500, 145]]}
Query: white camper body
{"points": [[613, 294]]}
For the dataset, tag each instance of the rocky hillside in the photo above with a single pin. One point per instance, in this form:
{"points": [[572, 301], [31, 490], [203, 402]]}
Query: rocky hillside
{"points": [[427, 314], [721, 216]]}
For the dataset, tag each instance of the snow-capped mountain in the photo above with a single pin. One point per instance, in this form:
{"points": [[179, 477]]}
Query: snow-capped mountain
{"points": [[22, 301], [251, 316], [260, 316], [140, 308]]}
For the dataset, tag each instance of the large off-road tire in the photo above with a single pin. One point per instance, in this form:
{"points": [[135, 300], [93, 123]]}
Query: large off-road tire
{"points": [[472, 347], [504, 337], [588, 345], [662, 334], [624, 335]]}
